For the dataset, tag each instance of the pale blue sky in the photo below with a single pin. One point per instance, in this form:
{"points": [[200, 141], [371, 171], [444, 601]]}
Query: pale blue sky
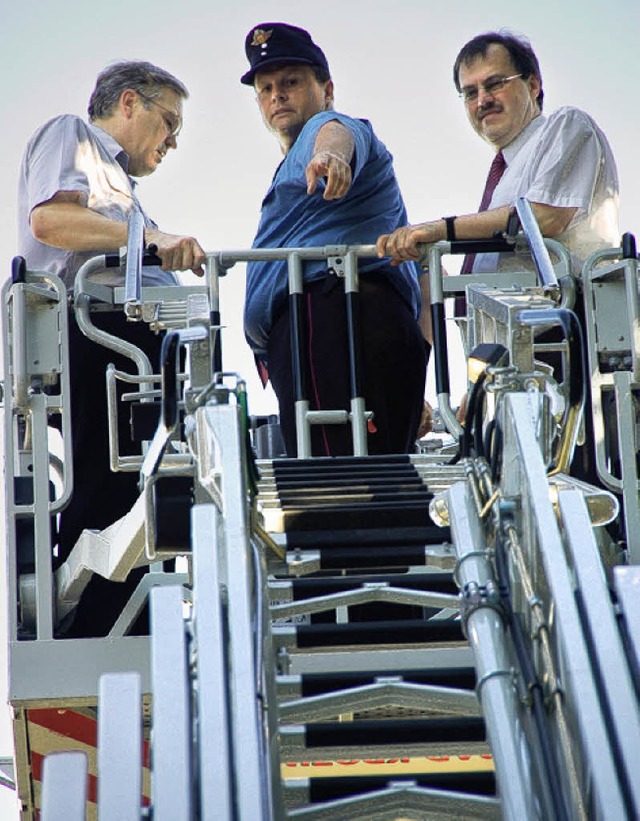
{"points": [[391, 63]]}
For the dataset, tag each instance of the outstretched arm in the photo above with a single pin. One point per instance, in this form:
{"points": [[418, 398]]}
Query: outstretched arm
{"points": [[65, 222], [403, 243], [333, 151]]}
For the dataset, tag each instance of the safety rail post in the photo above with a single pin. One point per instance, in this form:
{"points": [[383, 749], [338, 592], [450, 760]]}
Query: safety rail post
{"points": [[213, 273], [440, 347], [45, 607], [133, 270], [299, 355], [356, 378], [26, 420], [617, 269], [537, 245], [19, 342]]}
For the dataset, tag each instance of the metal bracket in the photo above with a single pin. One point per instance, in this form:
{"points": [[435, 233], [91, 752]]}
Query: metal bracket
{"points": [[335, 265], [474, 596]]}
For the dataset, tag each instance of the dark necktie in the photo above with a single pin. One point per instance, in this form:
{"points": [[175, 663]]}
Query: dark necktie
{"points": [[493, 178]]}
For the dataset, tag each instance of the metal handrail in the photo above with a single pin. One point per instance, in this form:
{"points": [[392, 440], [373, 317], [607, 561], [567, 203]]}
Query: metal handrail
{"points": [[431, 261]]}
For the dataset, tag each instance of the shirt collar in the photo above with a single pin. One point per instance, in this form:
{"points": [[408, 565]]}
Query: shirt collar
{"points": [[510, 151], [115, 150]]}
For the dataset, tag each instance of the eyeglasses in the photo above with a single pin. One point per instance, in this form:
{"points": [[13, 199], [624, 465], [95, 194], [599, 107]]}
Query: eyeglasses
{"points": [[172, 121], [492, 86]]}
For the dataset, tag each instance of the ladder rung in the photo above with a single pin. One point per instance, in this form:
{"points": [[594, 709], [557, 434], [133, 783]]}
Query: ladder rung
{"points": [[381, 632]]}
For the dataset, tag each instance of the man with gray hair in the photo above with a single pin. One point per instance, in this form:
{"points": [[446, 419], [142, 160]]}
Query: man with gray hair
{"points": [[76, 193], [76, 189]]}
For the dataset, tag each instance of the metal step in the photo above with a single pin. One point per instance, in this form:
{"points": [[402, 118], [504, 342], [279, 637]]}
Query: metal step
{"points": [[315, 790], [313, 684], [334, 740], [371, 634]]}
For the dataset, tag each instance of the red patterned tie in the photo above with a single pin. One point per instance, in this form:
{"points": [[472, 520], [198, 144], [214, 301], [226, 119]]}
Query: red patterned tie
{"points": [[495, 173]]}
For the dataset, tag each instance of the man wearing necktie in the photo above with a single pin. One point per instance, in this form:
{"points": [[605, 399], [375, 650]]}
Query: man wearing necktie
{"points": [[561, 163]]}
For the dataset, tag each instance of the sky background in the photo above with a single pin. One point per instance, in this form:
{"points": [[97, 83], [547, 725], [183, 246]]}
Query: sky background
{"points": [[391, 63]]}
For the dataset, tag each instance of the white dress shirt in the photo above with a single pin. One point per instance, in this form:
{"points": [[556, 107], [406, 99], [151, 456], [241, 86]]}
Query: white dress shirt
{"points": [[562, 160]]}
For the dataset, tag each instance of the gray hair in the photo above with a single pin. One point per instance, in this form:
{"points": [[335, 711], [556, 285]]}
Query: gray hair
{"points": [[143, 77]]}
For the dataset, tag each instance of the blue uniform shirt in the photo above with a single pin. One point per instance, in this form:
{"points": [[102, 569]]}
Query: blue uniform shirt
{"points": [[291, 218]]}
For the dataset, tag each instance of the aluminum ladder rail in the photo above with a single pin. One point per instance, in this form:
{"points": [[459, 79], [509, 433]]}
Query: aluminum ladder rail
{"points": [[593, 721]]}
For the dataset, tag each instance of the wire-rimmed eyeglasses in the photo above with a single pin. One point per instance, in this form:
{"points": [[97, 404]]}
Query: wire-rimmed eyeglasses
{"points": [[172, 121], [492, 86]]}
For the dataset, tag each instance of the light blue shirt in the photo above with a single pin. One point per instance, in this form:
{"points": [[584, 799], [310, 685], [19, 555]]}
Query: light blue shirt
{"points": [[67, 154], [291, 218]]}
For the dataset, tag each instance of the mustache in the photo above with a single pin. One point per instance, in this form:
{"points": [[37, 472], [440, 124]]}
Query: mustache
{"points": [[489, 108]]}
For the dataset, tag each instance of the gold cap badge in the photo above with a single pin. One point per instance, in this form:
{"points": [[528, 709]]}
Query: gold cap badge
{"points": [[260, 36]]}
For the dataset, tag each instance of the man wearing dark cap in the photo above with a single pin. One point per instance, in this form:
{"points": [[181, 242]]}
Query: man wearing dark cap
{"points": [[336, 185]]}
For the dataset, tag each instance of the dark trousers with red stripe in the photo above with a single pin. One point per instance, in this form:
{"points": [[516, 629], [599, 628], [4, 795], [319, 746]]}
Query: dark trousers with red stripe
{"points": [[394, 361]]}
